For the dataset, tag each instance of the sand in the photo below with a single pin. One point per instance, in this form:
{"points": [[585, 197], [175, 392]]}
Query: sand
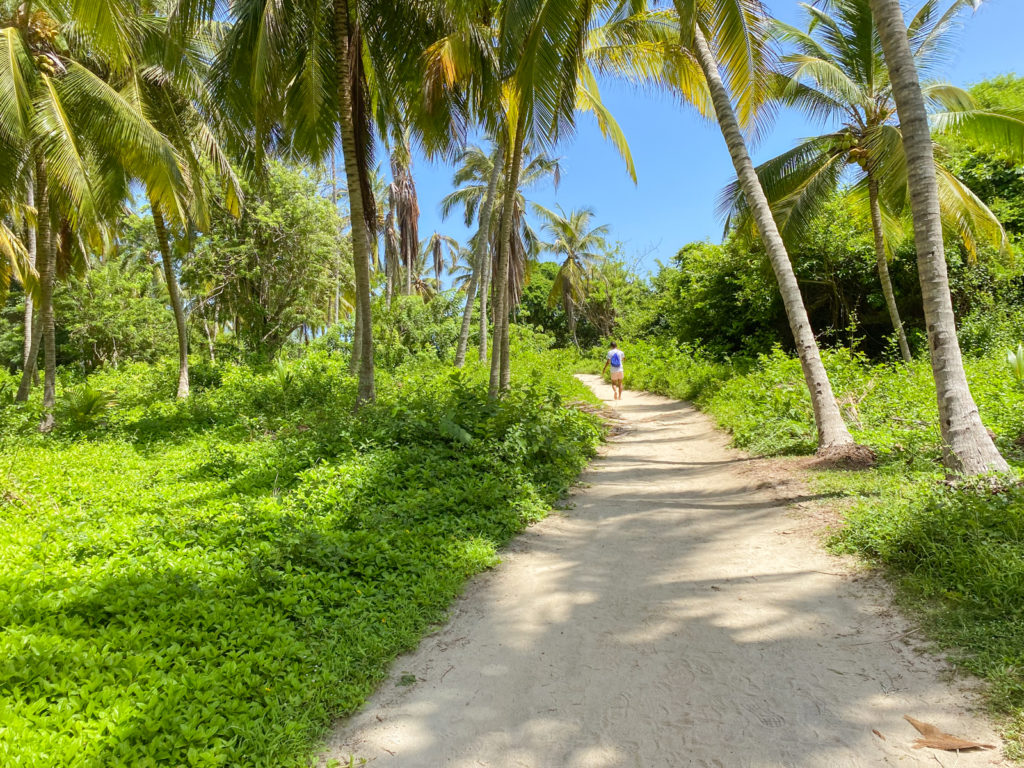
{"points": [[679, 612]]}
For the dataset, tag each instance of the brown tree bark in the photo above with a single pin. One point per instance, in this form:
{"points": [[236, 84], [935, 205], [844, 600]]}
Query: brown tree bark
{"points": [[968, 448], [833, 434], [360, 238]]}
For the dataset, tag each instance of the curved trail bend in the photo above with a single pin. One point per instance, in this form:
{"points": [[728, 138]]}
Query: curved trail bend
{"points": [[666, 620]]}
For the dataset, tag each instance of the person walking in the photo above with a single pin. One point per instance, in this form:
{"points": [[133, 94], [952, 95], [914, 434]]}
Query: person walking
{"points": [[614, 360]]}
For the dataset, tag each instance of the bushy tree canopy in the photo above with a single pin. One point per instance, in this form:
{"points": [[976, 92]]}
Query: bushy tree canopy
{"points": [[277, 267]]}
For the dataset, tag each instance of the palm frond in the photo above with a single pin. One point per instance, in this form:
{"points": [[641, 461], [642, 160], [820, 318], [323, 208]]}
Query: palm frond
{"points": [[16, 75], [588, 99], [1000, 130], [796, 183], [829, 77], [964, 214]]}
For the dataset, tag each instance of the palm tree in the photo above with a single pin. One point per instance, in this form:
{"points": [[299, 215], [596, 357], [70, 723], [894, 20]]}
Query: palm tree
{"points": [[838, 72], [83, 138], [476, 166], [404, 210], [474, 179], [354, 145], [737, 33], [968, 446], [433, 253], [549, 52], [462, 269], [581, 246], [305, 73], [172, 89]]}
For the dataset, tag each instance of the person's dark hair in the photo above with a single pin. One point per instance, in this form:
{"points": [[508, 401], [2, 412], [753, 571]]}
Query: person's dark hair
{"points": [[613, 345]]}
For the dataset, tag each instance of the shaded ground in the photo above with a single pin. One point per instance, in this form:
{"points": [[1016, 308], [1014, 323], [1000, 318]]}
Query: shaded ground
{"points": [[677, 614]]}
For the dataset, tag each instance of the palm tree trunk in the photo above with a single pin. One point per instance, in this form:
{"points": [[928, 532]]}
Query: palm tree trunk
{"points": [[485, 290], [479, 259], [360, 235], [968, 447], [883, 269], [334, 310], [833, 434], [499, 351], [211, 339], [42, 240], [31, 238], [357, 349], [30, 373], [45, 240], [174, 292], [506, 348]]}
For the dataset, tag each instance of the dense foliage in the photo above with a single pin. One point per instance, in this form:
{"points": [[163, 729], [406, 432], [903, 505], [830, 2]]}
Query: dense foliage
{"points": [[610, 296], [724, 298], [279, 267], [211, 582]]}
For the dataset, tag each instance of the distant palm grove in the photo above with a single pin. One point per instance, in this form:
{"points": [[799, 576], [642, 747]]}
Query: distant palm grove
{"points": [[247, 404]]}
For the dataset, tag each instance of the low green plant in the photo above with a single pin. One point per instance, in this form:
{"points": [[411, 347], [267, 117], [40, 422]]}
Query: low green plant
{"points": [[283, 373], [85, 405], [212, 582]]}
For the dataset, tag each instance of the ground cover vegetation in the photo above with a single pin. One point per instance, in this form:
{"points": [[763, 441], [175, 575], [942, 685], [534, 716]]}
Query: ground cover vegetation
{"points": [[212, 581], [269, 444]]}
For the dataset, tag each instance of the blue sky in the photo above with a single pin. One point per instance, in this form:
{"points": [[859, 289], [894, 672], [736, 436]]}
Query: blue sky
{"points": [[681, 160]]}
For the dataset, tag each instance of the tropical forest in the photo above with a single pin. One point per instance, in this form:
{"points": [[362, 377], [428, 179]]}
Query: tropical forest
{"points": [[511, 383]]}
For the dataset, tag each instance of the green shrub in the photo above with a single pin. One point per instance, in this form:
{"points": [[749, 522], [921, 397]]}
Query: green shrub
{"points": [[987, 332], [85, 405]]}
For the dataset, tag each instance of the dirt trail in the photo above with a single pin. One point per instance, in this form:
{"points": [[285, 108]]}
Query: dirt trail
{"points": [[675, 616]]}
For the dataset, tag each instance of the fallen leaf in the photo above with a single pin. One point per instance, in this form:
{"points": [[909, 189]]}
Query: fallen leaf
{"points": [[936, 739], [878, 734]]}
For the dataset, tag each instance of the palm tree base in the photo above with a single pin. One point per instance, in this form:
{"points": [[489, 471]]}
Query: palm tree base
{"points": [[850, 456]]}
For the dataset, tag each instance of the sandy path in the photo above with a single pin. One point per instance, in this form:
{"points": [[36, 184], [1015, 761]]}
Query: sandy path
{"points": [[665, 620]]}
